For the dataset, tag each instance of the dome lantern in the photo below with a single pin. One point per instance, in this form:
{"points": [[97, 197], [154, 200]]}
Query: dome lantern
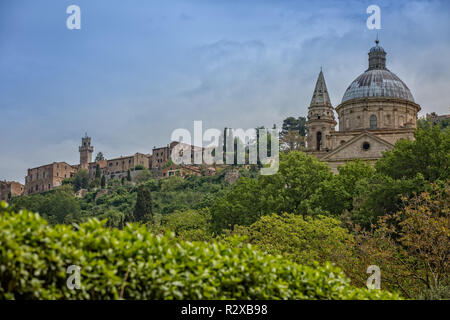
{"points": [[377, 57]]}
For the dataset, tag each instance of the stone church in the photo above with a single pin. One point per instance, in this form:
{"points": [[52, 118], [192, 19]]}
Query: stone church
{"points": [[377, 110]]}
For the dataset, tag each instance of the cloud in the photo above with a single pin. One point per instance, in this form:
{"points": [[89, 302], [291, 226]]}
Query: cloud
{"points": [[131, 79]]}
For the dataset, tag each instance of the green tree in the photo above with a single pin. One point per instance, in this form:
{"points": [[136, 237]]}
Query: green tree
{"points": [[103, 182], [383, 195], [143, 209], [98, 172], [114, 218], [95, 183], [301, 239], [99, 156], [81, 179], [292, 124], [128, 175], [289, 190], [144, 175], [428, 155], [190, 225], [335, 196], [60, 206], [242, 205]]}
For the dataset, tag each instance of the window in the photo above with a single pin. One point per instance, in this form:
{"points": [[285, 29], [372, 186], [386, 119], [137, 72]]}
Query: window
{"points": [[366, 146], [319, 140], [373, 122]]}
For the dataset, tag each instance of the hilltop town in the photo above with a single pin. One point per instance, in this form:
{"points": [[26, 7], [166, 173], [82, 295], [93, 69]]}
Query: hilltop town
{"points": [[50, 176]]}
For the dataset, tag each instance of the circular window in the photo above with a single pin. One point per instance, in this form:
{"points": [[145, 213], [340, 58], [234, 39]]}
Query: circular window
{"points": [[366, 146]]}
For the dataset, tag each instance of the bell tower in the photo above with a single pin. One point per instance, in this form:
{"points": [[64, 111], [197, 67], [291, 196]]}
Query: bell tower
{"points": [[86, 151], [320, 122]]}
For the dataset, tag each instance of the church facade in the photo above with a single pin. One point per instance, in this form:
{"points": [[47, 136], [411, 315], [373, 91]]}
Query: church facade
{"points": [[377, 110]]}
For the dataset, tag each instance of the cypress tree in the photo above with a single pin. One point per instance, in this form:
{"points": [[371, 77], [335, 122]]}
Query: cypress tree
{"points": [[143, 208], [97, 171], [103, 182]]}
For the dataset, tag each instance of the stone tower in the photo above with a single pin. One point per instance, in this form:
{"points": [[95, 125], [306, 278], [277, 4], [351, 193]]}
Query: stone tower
{"points": [[320, 122], [86, 151]]}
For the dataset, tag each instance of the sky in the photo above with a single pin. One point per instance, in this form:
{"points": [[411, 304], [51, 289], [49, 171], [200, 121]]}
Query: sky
{"points": [[137, 70]]}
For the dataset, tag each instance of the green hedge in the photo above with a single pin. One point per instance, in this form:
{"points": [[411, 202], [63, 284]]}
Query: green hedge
{"points": [[34, 257]]}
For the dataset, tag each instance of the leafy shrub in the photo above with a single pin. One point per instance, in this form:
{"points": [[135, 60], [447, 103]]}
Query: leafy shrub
{"points": [[301, 239], [190, 225], [34, 257]]}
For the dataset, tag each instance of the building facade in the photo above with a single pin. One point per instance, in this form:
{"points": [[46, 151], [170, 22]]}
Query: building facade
{"points": [[10, 189], [376, 111], [47, 177], [163, 154]]}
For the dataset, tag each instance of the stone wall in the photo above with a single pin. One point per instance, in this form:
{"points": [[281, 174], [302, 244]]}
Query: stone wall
{"points": [[47, 177]]}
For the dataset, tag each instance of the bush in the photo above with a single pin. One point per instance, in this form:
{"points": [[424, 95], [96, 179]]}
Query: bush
{"points": [[301, 239], [34, 258]]}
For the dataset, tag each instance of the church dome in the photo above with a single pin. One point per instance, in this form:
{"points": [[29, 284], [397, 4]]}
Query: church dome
{"points": [[377, 81]]}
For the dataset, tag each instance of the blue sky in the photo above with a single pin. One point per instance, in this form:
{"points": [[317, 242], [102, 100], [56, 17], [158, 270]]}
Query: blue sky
{"points": [[139, 69]]}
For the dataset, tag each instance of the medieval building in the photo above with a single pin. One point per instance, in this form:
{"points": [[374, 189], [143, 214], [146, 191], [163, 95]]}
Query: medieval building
{"points": [[377, 110], [10, 189], [47, 177]]}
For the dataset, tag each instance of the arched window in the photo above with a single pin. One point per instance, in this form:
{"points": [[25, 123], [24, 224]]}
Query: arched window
{"points": [[373, 122], [319, 140]]}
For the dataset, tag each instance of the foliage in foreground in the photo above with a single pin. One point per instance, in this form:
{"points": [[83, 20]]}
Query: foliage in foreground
{"points": [[134, 264]]}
